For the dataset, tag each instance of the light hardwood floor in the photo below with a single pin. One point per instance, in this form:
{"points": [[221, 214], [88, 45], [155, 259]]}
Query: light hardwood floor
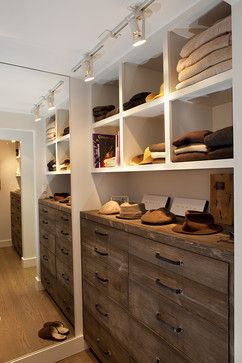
{"points": [[23, 309], [83, 357]]}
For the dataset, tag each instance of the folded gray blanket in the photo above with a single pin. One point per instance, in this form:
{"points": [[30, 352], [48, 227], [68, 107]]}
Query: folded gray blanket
{"points": [[210, 60], [220, 138], [207, 48], [221, 27], [221, 153], [209, 72]]}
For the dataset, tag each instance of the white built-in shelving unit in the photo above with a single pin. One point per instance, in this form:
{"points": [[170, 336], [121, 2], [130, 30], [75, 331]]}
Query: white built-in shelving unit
{"points": [[204, 105]]}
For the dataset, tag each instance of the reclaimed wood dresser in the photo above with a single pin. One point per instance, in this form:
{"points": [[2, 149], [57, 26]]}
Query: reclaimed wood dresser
{"points": [[16, 222], [56, 260], [151, 295]]}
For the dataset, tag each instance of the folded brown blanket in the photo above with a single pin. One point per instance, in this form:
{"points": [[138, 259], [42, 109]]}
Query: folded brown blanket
{"points": [[207, 48], [221, 153], [136, 100], [191, 148], [99, 118], [210, 60], [191, 137], [195, 156], [221, 27], [99, 109], [220, 138], [113, 112], [209, 72], [157, 147]]}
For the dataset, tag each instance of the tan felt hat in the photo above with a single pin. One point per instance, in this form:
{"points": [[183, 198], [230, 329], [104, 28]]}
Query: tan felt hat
{"points": [[147, 159], [153, 96], [158, 217], [131, 211], [198, 223], [111, 207]]}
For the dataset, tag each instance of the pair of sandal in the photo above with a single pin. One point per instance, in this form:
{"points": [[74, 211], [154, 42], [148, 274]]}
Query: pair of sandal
{"points": [[54, 330]]}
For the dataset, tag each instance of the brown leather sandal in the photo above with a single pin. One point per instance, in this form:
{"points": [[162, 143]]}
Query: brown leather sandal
{"points": [[59, 326], [51, 333]]}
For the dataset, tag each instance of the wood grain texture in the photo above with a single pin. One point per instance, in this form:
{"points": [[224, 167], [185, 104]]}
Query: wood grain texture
{"points": [[221, 198], [23, 309], [85, 356]]}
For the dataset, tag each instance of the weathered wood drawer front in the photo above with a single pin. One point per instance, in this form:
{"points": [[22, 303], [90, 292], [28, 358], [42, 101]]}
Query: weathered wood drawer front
{"points": [[47, 239], [200, 299], [106, 279], [64, 250], [63, 221], [64, 276], [108, 313], [66, 303], [104, 345], [205, 270], [64, 233], [47, 258], [146, 347], [46, 224], [49, 282], [196, 338], [47, 212]]}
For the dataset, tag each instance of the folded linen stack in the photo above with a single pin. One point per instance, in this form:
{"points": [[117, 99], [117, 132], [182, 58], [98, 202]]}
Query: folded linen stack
{"points": [[191, 146], [206, 54], [102, 112], [50, 132], [220, 143], [136, 100]]}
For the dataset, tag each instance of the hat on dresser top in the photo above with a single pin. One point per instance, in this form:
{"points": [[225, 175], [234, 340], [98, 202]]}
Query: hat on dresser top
{"points": [[198, 223], [131, 211], [111, 207], [158, 217]]}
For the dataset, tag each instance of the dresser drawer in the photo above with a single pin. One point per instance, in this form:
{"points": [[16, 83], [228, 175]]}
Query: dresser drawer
{"points": [[103, 344], [105, 245], [64, 233], [47, 259], [64, 251], [47, 239], [46, 224], [108, 313], [200, 299], [63, 221], [47, 212], [109, 281], [205, 270], [66, 302], [64, 276], [49, 282], [197, 338]]}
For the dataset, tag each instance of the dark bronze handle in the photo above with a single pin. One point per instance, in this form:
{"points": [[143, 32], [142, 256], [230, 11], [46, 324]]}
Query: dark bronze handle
{"points": [[65, 233], [66, 278], [99, 310], [100, 278], [105, 352], [157, 360], [45, 258], [174, 329], [103, 234], [44, 222], [64, 251], [177, 263], [65, 219], [160, 284], [45, 237], [44, 210], [100, 252]]}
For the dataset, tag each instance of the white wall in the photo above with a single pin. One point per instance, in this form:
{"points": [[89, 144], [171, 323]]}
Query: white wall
{"points": [[8, 180]]}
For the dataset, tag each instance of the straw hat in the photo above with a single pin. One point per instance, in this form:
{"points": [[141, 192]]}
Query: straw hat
{"points": [[111, 207]]}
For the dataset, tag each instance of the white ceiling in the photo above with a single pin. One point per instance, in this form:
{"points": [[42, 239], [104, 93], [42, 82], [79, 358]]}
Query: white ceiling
{"points": [[53, 35]]}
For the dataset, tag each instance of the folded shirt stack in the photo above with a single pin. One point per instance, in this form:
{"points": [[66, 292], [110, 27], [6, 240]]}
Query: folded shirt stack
{"points": [[51, 165], [206, 54], [65, 164], [220, 143], [191, 146], [50, 132], [136, 100], [102, 112]]}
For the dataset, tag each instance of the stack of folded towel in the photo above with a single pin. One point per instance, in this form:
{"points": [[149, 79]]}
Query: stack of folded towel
{"points": [[206, 54], [220, 143], [136, 100], [50, 132], [191, 146], [65, 164], [102, 112], [51, 165]]}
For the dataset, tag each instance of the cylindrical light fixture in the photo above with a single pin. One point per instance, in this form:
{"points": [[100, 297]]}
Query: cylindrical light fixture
{"points": [[51, 101], [89, 74], [37, 113], [137, 25]]}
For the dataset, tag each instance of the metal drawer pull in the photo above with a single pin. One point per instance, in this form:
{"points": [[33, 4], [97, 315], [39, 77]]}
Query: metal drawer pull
{"points": [[105, 352], [99, 310], [157, 360], [174, 329], [103, 234], [159, 283], [45, 258], [64, 219], [45, 237], [44, 210], [64, 251], [44, 222], [100, 278], [100, 252], [66, 278], [177, 263], [65, 233]]}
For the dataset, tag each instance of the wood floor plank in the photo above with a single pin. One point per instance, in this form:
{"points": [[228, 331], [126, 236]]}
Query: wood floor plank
{"points": [[82, 357]]}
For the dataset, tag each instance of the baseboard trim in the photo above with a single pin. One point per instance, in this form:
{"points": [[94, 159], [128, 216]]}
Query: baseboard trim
{"points": [[28, 262], [6, 243], [38, 284], [55, 353]]}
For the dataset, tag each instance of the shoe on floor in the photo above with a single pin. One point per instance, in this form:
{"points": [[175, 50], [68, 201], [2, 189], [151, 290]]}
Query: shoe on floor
{"points": [[51, 333], [59, 326]]}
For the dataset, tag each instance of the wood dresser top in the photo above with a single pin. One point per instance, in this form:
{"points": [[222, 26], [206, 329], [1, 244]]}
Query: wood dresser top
{"points": [[218, 246], [54, 204]]}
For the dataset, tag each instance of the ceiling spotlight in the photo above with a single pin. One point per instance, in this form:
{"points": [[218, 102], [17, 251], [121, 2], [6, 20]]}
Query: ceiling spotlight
{"points": [[137, 25], [51, 101], [88, 63], [37, 113]]}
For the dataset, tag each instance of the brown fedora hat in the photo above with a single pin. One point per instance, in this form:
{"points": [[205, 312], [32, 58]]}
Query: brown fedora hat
{"points": [[198, 223], [131, 211], [158, 217]]}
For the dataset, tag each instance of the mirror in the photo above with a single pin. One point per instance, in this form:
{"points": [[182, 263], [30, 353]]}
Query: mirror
{"points": [[28, 238]]}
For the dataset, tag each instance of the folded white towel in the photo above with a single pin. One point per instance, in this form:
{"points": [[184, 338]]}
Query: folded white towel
{"points": [[158, 154], [202, 148]]}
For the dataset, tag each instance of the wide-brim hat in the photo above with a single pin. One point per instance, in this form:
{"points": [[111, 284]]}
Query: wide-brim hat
{"points": [[142, 159], [198, 223], [131, 211], [153, 96], [111, 207], [159, 216]]}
